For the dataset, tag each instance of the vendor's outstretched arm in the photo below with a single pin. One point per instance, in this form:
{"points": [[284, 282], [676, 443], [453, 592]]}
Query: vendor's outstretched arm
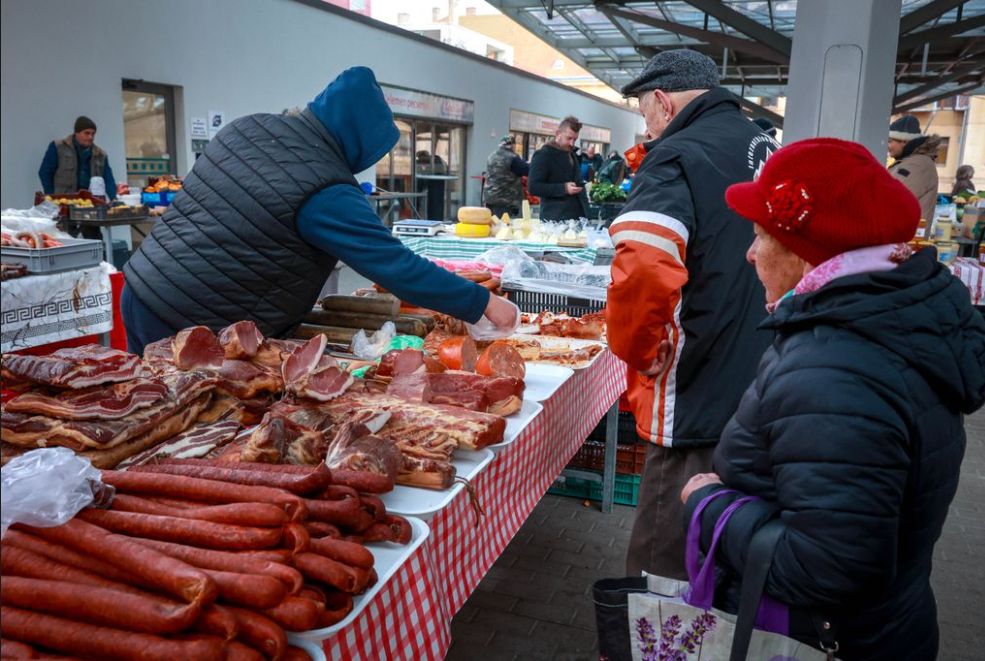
{"points": [[340, 221]]}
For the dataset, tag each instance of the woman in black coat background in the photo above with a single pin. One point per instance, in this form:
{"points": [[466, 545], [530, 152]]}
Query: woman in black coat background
{"points": [[852, 434]]}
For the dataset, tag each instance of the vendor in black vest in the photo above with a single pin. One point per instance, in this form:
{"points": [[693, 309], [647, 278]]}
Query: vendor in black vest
{"points": [[71, 162], [267, 211]]}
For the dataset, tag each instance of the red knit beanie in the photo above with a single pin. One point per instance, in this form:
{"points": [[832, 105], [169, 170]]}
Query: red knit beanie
{"points": [[822, 197]]}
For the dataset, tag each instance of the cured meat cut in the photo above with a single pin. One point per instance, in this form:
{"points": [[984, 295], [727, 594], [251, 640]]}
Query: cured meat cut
{"points": [[76, 367], [500, 359], [587, 327], [244, 380], [240, 341], [424, 425], [355, 448], [197, 348], [399, 362], [497, 395], [195, 442], [94, 403], [42, 431], [308, 372]]}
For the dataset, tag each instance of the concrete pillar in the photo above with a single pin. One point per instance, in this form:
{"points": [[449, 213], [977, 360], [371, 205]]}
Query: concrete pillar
{"points": [[841, 71]]}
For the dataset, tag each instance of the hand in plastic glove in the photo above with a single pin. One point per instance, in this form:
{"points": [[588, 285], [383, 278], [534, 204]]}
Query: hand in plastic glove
{"points": [[501, 319]]}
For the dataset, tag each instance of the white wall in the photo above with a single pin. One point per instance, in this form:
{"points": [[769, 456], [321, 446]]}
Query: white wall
{"points": [[62, 58]]}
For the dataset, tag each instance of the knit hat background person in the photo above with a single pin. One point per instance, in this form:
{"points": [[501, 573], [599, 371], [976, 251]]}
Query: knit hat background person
{"points": [[83, 123], [806, 198], [915, 155]]}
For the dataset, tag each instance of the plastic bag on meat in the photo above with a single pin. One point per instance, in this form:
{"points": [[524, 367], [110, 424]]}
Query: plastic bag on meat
{"points": [[47, 487], [377, 344], [486, 330]]}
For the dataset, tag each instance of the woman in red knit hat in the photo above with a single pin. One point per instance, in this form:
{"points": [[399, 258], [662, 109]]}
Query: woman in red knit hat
{"points": [[852, 434]]}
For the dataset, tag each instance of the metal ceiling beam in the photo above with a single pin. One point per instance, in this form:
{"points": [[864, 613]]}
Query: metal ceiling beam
{"points": [[625, 28], [759, 111], [941, 31], [747, 26], [716, 38], [544, 33], [934, 84], [927, 13], [534, 4], [907, 107]]}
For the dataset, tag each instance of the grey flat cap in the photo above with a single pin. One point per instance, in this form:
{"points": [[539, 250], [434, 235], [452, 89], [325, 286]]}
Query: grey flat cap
{"points": [[675, 71]]}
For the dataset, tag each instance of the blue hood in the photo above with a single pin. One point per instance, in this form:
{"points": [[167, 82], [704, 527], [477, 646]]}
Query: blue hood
{"points": [[354, 111]]}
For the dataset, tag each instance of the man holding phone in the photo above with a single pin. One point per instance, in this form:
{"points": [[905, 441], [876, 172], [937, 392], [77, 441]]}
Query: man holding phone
{"points": [[555, 175]]}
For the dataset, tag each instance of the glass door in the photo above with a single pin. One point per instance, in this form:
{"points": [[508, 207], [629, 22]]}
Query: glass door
{"points": [[148, 131]]}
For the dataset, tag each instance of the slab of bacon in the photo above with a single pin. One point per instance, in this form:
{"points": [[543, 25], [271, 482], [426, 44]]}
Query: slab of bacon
{"points": [[76, 367], [497, 395], [184, 390], [110, 402], [195, 442]]}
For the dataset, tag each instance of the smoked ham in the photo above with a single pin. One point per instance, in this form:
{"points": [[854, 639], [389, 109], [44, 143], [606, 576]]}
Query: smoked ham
{"points": [[240, 341], [76, 367], [196, 348]]}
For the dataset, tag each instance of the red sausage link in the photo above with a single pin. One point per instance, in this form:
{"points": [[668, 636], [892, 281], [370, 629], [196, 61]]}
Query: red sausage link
{"points": [[345, 513], [183, 531], [322, 529], [11, 649], [362, 481], [230, 562], [98, 605], [260, 632], [208, 491], [314, 480], [338, 492], [282, 556], [296, 538], [65, 635], [394, 529], [150, 567], [237, 651], [16, 539], [218, 621], [294, 614], [374, 506], [354, 555], [251, 590], [326, 570], [239, 514]]}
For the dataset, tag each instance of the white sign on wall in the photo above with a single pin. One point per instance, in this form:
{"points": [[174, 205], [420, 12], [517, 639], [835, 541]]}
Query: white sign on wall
{"points": [[528, 122], [412, 103], [200, 128]]}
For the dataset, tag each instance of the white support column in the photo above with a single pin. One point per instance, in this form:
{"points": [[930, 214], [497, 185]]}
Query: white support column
{"points": [[841, 71]]}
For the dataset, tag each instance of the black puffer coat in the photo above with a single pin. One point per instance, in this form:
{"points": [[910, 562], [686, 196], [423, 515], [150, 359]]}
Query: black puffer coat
{"points": [[853, 434]]}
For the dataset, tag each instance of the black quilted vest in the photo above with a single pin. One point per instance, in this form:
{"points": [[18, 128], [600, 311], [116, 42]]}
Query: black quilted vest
{"points": [[228, 248]]}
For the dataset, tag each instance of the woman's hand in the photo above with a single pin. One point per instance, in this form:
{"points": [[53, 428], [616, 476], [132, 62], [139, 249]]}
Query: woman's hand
{"points": [[698, 481]]}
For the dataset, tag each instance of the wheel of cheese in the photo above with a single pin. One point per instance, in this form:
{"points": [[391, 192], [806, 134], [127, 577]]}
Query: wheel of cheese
{"points": [[475, 215], [471, 230]]}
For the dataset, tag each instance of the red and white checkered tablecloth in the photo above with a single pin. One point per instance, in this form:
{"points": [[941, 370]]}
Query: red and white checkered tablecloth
{"points": [[411, 616]]}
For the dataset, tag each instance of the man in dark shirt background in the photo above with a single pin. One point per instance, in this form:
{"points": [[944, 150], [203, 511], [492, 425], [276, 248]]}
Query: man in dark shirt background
{"points": [[555, 175]]}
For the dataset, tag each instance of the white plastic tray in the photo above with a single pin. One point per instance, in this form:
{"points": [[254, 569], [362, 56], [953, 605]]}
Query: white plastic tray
{"points": [[543, 380], [388, 557], [516, 423], [425, 503], [313, 649]]}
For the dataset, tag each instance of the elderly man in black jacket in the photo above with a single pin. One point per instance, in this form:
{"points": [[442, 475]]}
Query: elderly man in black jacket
{"points": [[851, 437], [555, 175]]}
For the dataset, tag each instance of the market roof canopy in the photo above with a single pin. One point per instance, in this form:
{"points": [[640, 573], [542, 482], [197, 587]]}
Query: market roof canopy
{"points": [[941, 47]]}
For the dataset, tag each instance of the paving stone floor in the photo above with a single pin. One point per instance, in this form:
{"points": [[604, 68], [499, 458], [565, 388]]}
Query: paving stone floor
{"points": [[535, 602]]}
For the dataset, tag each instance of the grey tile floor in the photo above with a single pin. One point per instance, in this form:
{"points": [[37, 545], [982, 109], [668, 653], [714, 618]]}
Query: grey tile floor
{"points": [[535, 602]]}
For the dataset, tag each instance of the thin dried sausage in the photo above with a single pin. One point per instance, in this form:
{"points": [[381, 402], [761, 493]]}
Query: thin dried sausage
{"points": [[294, 614], [354, 555], [219, 621], [66, 635], [183, 531], [238, 514], [317, 477], [325, 570], [260, 632]]}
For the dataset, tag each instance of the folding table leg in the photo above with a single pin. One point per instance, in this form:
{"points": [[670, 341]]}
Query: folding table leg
{"points": [[609, 467]]}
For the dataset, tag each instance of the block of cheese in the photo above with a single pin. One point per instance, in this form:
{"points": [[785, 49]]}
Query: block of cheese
{"points": [[471, 230], [475, 215]]}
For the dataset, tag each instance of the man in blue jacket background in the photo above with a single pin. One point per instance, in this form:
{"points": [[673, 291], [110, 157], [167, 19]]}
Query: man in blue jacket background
{"points": [[265, 214]]}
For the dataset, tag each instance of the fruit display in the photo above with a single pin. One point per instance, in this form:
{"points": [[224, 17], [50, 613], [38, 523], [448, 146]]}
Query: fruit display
{"points": [[70, 202], [167, 183]]}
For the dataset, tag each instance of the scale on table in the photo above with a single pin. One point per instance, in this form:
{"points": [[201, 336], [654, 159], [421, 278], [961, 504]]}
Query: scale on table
{"points": [[418, 227]]}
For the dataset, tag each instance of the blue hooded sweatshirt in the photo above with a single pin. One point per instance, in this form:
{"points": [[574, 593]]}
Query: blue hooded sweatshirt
{"points": [[341, 221]]}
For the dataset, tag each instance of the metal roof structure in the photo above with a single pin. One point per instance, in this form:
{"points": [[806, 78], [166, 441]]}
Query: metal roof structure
{"points": [[941, 46]]}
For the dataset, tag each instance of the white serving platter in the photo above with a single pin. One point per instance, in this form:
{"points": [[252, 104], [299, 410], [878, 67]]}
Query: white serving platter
{"points": [[516, 423], [425, 503], [551, 342], [542, 380], [313, 649], [388, 558]]}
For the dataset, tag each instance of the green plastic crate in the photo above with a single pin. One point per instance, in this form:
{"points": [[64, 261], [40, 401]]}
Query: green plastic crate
{"points": [[627, 490]]}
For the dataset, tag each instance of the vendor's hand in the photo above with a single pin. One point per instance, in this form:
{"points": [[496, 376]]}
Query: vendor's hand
{"points": [[661, 361], [698, 481], [501, 312], [571, 188]]}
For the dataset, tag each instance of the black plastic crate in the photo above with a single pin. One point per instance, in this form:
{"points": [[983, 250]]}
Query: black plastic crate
{"points": [[536, 302], [626, 432]]}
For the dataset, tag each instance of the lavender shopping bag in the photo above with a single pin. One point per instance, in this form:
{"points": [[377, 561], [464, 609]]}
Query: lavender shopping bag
{"points": [[674, 621]]}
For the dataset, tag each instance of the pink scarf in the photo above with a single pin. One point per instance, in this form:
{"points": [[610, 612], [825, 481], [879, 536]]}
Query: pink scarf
{"points": [[864, 260]]}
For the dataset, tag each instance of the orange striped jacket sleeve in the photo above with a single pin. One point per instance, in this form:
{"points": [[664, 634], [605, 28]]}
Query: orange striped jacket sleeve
{"points": [[648, 272]]}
